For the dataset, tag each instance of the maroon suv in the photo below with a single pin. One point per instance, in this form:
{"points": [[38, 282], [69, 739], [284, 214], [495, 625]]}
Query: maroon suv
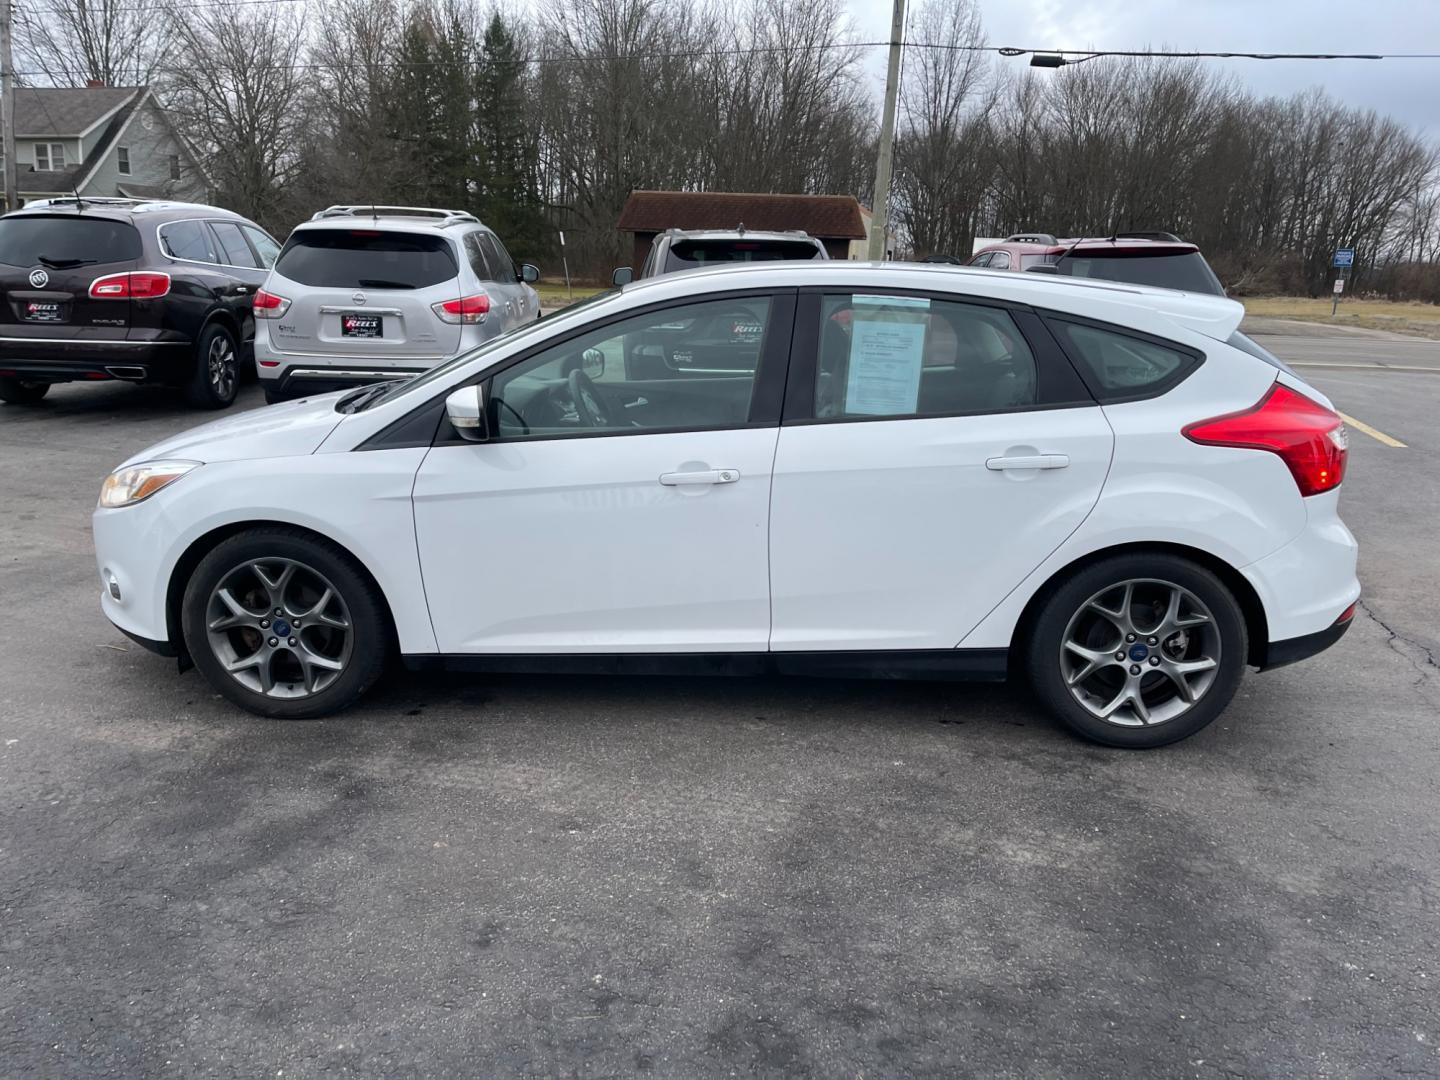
{"points": [[1151, 258]]}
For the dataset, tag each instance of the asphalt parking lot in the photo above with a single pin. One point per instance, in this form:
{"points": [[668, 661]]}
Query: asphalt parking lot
{"points": [[610, 877]]}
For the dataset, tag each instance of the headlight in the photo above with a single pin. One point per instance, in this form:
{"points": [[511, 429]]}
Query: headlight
{"points": [[124, 487]]}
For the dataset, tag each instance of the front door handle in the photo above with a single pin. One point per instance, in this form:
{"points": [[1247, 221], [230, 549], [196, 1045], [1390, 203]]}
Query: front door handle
{"points": [[1028, 461], [701, 476]]}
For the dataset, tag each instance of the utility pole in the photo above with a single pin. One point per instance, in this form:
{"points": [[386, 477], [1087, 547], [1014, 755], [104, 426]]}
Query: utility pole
{"points": [[7, 103], [880, 213]]}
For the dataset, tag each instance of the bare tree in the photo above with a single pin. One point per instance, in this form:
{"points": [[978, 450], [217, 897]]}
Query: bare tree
{"points": [[240, 98], [72, 42]]}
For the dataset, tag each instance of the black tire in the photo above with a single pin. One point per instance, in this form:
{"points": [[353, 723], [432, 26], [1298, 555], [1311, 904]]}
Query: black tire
{"points": [[216, 379], [1069, 599], [361, 599], [22, 391]]}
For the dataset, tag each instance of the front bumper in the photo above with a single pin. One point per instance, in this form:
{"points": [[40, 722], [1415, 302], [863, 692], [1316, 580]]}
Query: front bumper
{"points": [[72, 359], [131, 551]]}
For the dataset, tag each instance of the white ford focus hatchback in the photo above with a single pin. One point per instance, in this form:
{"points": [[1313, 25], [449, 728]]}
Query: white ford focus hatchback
{"points": [[839, 469]]}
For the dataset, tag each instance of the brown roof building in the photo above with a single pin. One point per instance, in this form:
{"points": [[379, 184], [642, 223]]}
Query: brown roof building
{"points": [[834, 220]]}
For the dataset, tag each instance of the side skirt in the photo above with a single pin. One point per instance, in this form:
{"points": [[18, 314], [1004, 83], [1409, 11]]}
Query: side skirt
{"points": [[984, 665]]}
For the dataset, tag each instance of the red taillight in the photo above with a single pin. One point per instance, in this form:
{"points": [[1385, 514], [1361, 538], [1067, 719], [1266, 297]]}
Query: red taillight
{"points": [[1347, 614], [269, 306], [467, 309], [1309, 438], [133, 286]]}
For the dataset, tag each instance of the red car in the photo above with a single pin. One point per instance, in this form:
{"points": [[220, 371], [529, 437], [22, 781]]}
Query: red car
{"points": [[1150, 258]]}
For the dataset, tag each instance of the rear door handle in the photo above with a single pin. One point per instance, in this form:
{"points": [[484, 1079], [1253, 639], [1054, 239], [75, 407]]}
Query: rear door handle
{"points": [[1030, 461], [702, 476]]}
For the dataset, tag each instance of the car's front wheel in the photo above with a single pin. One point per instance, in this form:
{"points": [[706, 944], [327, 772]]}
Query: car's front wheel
{"points": [[284, 624], [1138, 650], [216, 378], [22, 391]]}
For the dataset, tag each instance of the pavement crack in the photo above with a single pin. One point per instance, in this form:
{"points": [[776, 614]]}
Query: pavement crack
{"points": [[1426, 664]]}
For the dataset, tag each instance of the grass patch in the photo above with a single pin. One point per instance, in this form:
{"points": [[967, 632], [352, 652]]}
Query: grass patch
{"points": [[1402, 317], [554, 294]]}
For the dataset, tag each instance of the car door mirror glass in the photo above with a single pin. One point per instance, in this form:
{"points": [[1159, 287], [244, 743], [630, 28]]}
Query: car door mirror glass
{"points": [[592, 362], [529, 273], [465, 408], [623, 275]]}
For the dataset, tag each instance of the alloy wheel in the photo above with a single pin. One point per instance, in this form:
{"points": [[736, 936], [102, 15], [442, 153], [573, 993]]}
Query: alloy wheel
{"points": [[221, 363], [279, 628], [1140, 652]]}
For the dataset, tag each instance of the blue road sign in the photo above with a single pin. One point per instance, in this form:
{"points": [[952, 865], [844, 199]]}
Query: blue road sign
{"points": [[1344, 257]]}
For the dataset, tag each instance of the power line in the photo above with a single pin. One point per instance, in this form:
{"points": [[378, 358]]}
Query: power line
{"points": [[763, 50]]}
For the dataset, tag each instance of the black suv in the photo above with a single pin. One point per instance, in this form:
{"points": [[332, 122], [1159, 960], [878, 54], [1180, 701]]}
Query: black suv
{"points": [[140, 290]]}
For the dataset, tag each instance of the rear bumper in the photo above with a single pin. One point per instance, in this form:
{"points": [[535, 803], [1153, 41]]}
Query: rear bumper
{"points": [[69, 359], [299, 381], [1293, 650]]}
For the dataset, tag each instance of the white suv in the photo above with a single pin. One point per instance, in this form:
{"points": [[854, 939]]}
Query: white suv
{"points": [[823, 468], [361, 293]]}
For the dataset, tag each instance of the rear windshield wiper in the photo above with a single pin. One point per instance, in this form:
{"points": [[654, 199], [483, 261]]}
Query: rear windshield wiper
{"points": [[382, 283], [63, 264]]}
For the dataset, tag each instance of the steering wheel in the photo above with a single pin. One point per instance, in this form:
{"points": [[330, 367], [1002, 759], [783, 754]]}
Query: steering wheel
{"points": [[586, 400]]}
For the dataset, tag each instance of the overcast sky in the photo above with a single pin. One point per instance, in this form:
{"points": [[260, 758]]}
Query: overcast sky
{"points": [[1408, 90]]}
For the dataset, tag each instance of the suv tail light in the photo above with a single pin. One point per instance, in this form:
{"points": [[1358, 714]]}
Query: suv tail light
{"points": [[269, 306], [135, 285], [468, 309], [1309, 438]]}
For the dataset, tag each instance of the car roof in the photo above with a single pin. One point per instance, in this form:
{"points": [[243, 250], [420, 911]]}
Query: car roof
{"points": [[737, 234], [1145, 307], [1092, 243], [122, 209]]}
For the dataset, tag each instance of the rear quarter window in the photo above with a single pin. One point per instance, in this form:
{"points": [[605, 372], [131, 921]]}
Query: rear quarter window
{"points": [[1120, 365], [67, 240], [367, 259]]}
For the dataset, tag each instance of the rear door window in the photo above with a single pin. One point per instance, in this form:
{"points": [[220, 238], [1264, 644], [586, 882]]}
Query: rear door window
{"points": [[235, 251], [189, 240], [502, 267], [476, 255], [263, 245], [66, 241], [901, 356], [687, 254], [367, 259]]}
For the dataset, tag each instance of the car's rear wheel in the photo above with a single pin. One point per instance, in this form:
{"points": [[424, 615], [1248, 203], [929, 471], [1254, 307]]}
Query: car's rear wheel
{"points": [[1138, 650], [216, 379], [22, 391], [284, 624]]}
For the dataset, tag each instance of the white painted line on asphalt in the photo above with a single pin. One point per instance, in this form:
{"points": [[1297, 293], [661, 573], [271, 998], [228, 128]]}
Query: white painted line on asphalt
{"points": [[1362, 367], [1378, 436]]}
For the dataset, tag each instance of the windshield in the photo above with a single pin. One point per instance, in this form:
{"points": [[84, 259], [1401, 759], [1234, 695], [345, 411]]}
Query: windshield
{"points": [[69, 240], [436, 374], [688, 254], [366, 259], [1184, 270]]}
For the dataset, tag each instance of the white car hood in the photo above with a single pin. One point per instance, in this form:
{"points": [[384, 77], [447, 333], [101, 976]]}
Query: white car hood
{"points": [[292, 429]]}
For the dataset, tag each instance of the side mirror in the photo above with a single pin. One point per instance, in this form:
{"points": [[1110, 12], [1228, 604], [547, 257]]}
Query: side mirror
{"points": [[465, 409], [592, 362], [529, 274], [622, 275]]}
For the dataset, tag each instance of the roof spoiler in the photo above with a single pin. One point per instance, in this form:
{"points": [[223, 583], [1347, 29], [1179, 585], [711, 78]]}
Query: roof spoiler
{"points": [[447, 217]]}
